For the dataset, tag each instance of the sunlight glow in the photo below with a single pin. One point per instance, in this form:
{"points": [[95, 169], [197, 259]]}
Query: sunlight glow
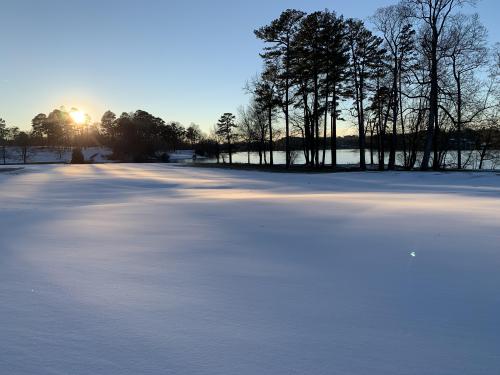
{"points": [[78, 117]]}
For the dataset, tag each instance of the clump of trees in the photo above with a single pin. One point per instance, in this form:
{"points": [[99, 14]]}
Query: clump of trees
{"points": [[60, 129], [141, 136], [419, 78], [13, 140], [137, 136], [77, 156]]}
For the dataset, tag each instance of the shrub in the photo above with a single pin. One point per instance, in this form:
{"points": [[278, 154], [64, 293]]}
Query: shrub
{"points": [[77, 156], [165, 158]]}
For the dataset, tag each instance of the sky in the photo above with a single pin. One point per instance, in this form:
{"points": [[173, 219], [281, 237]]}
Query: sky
{"points": [[184, 61]]}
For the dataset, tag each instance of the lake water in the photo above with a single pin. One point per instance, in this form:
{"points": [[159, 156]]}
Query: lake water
{"points": [[351, 157]]}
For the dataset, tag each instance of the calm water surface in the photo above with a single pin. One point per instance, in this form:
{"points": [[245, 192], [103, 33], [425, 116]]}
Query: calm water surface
{"points": [[351, 156]]}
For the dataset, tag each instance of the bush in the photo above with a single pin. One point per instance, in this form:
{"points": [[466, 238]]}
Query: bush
{"points": [[77, 156], [165, 158]]}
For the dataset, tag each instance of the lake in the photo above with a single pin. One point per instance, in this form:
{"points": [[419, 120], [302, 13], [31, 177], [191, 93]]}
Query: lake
{"points": [[351, 157]]}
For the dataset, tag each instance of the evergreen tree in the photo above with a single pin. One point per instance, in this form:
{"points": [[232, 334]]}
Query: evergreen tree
{"points": [[366, 55], [280, 34], [226, 130], [108, 125], [336, 73]]}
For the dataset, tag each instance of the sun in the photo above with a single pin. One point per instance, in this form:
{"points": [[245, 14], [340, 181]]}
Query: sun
{"points": [[78, 117]]}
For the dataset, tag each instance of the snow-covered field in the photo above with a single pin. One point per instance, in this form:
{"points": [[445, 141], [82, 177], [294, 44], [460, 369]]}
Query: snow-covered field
{"points": [[163, 269]]}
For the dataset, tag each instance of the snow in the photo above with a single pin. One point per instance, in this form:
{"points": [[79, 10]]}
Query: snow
{"points": [[63, 155], [181, 155], [54, 155], [167, 269], [96, 154]]}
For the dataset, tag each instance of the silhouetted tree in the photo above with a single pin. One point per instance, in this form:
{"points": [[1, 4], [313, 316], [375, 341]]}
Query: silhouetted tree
{"points": [[108, 125], [435, 15], [266, 96], [39, 126], [193, 134], [309, 68], [366, 56], [394, 24], [247, 130], [336, 53], [466, 50], [139, 136], [226, 129], [280, 34], [3, 138], [23, 140], [173, 134]]}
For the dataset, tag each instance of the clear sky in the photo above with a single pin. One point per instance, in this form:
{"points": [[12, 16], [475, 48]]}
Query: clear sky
{"points": [[181, 60]]}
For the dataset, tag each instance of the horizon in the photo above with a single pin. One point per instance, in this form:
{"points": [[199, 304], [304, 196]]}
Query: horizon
{"points": [[91, 68]]}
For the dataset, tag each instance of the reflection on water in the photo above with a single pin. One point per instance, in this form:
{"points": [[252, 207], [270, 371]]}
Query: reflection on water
{"points": [[351, 156]]}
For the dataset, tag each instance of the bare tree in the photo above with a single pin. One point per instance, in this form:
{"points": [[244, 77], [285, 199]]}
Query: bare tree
{"points": [[467, 51], [435, 15], [393, 22]]}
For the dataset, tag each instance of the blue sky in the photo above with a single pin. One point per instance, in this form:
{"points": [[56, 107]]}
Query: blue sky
{"points": [[181, 60]]}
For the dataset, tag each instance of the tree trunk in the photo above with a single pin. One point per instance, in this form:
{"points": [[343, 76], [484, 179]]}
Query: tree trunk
{"points": [[433, 105], [436, 159], [371, 145], [324, 138], [381, 132], [307, 134], [271, 148], [394, 137], [362, 146], [287, 117], [333, 145], [230, 150], [459, 121], [327, 95], [482, 156], [316, 120], [403, 131]]}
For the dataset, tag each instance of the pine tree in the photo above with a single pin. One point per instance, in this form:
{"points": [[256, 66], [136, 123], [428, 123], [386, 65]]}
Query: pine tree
{"points": [[108, 124], [280, 34], [336, 73], [366, 55], [225, 129]]}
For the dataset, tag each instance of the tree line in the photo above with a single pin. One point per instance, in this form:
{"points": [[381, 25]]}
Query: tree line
{"points": [[137, 136], [133, 136], [421, 80]]}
